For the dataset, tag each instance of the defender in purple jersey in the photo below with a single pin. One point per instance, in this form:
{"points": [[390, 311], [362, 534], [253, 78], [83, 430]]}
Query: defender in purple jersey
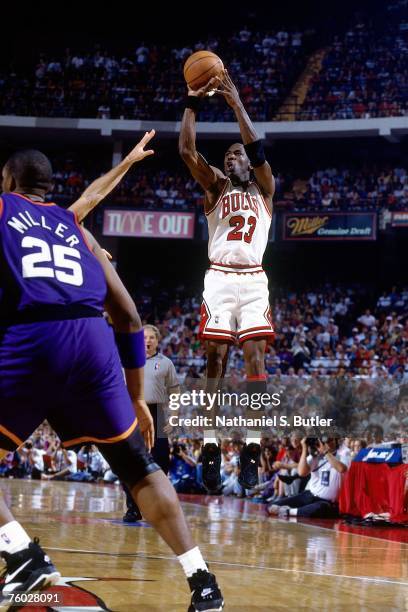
{"points": [[59, 361]]}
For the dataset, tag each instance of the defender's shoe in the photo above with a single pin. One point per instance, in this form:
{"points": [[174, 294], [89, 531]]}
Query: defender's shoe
{"points": [[205, 593]]}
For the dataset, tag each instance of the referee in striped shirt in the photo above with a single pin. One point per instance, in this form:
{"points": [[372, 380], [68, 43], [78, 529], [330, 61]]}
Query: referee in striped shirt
{"points": [[160, 380]]}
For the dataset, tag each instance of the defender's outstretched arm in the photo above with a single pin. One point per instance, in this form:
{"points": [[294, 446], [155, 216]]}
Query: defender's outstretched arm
{"points": [[103, 185]]}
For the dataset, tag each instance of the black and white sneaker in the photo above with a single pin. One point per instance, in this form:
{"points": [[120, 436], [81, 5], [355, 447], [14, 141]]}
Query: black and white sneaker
{"points": [[249, 463], [211, 458], [27, 570], [205, 593]]}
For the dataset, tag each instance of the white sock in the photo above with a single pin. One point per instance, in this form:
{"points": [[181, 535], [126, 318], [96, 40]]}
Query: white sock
{"points": [[210, 437], [13, 538], [255, 437], [191, 561], [293, 512]]}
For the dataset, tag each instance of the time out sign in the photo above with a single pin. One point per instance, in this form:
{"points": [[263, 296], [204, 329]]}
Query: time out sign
{"points": [[148, 223]]}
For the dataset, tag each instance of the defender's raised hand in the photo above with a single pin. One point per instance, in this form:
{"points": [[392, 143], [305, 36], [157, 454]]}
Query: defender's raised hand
{"points": [[139, 153], [102, 186]]}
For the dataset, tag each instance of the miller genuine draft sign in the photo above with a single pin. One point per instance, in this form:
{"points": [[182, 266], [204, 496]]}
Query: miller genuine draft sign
{"points": [[330, 226]]}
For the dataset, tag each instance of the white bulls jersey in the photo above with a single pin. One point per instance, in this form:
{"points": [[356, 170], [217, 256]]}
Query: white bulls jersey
{"points": [[238, 226], [235, 304]]}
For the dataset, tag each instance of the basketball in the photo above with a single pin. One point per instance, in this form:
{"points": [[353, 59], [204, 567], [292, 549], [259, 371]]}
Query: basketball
{"points": [[200, 67]]}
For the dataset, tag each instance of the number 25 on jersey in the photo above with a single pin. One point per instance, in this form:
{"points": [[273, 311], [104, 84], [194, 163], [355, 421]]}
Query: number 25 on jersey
{"points": [[60, 262]]}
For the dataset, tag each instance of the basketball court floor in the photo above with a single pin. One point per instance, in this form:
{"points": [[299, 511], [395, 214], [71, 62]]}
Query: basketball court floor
{"points": [[260, 562]]}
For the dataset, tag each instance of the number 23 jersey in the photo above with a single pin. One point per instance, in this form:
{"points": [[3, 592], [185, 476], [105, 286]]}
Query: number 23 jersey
{"points": [[238, 226], [45, 258]]}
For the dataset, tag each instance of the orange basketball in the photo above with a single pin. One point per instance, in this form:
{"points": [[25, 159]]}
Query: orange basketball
{"points": [[200, 67]]}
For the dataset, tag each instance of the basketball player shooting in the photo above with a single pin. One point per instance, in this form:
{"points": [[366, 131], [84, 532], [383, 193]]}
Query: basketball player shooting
{"points": [[235, 304], [59, 361]]}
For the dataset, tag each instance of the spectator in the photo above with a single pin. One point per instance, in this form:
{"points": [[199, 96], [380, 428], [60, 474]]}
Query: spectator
{"points": [[319, 500], [64, 463], [367, 319], [182, 470]]}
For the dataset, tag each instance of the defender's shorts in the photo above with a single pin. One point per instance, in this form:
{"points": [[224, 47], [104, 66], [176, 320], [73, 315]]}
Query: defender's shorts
{"points": [[69, 372], [235, 305]]}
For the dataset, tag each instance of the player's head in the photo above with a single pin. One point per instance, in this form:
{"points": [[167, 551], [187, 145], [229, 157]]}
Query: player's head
{"points": [[236, 163], [28, 171], [151, 337]]}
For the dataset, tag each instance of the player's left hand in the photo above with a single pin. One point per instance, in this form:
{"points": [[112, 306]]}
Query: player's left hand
{"points": [[139, 153], [227, 89], [145, 422]]}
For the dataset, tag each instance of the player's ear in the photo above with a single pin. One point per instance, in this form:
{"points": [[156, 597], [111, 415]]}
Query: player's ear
{"points": [[7, 182]]}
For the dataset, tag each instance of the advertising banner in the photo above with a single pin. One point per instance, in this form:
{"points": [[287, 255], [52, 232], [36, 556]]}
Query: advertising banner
{"points": [[148, 224], [330, 226], [399, 219]]}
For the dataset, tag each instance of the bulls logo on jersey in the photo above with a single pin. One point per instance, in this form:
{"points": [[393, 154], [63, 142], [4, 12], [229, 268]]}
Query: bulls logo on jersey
{"points": [[238, 226], [234, 202]]}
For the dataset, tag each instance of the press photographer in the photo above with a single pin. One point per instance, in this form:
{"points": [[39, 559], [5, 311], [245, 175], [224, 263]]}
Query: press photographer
{"points": [[326, 467]]}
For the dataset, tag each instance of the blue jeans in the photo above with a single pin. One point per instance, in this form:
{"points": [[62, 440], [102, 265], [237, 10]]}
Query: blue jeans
{"points": [[310, 506]]}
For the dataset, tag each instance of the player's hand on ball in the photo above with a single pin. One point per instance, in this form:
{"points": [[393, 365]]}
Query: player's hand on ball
{"points": [[209, 87], [228, 90], [139, 153], [145, 422]]}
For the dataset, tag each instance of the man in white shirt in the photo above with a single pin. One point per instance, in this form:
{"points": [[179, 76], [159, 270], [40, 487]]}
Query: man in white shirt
{"points": [[66, 464], [93, 460], [367, 319], [326, 470]]}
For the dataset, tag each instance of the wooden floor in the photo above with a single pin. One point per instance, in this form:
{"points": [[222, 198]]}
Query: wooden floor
{"points": [[261, 563]]}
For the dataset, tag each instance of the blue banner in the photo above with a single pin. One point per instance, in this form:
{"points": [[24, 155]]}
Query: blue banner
{"points": [[380, 454]]}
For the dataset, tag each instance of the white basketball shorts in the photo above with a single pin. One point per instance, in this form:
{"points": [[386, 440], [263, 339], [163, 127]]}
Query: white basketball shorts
{"points": [[235, 305]]}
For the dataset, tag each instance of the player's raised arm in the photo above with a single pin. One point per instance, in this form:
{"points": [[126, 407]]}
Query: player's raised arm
{"points": [[211, 179], [129, 339], [252, 143], [103, 185]]}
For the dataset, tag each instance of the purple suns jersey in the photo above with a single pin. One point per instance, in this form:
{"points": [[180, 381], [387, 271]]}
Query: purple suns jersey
{"points": [[44, 258]]}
